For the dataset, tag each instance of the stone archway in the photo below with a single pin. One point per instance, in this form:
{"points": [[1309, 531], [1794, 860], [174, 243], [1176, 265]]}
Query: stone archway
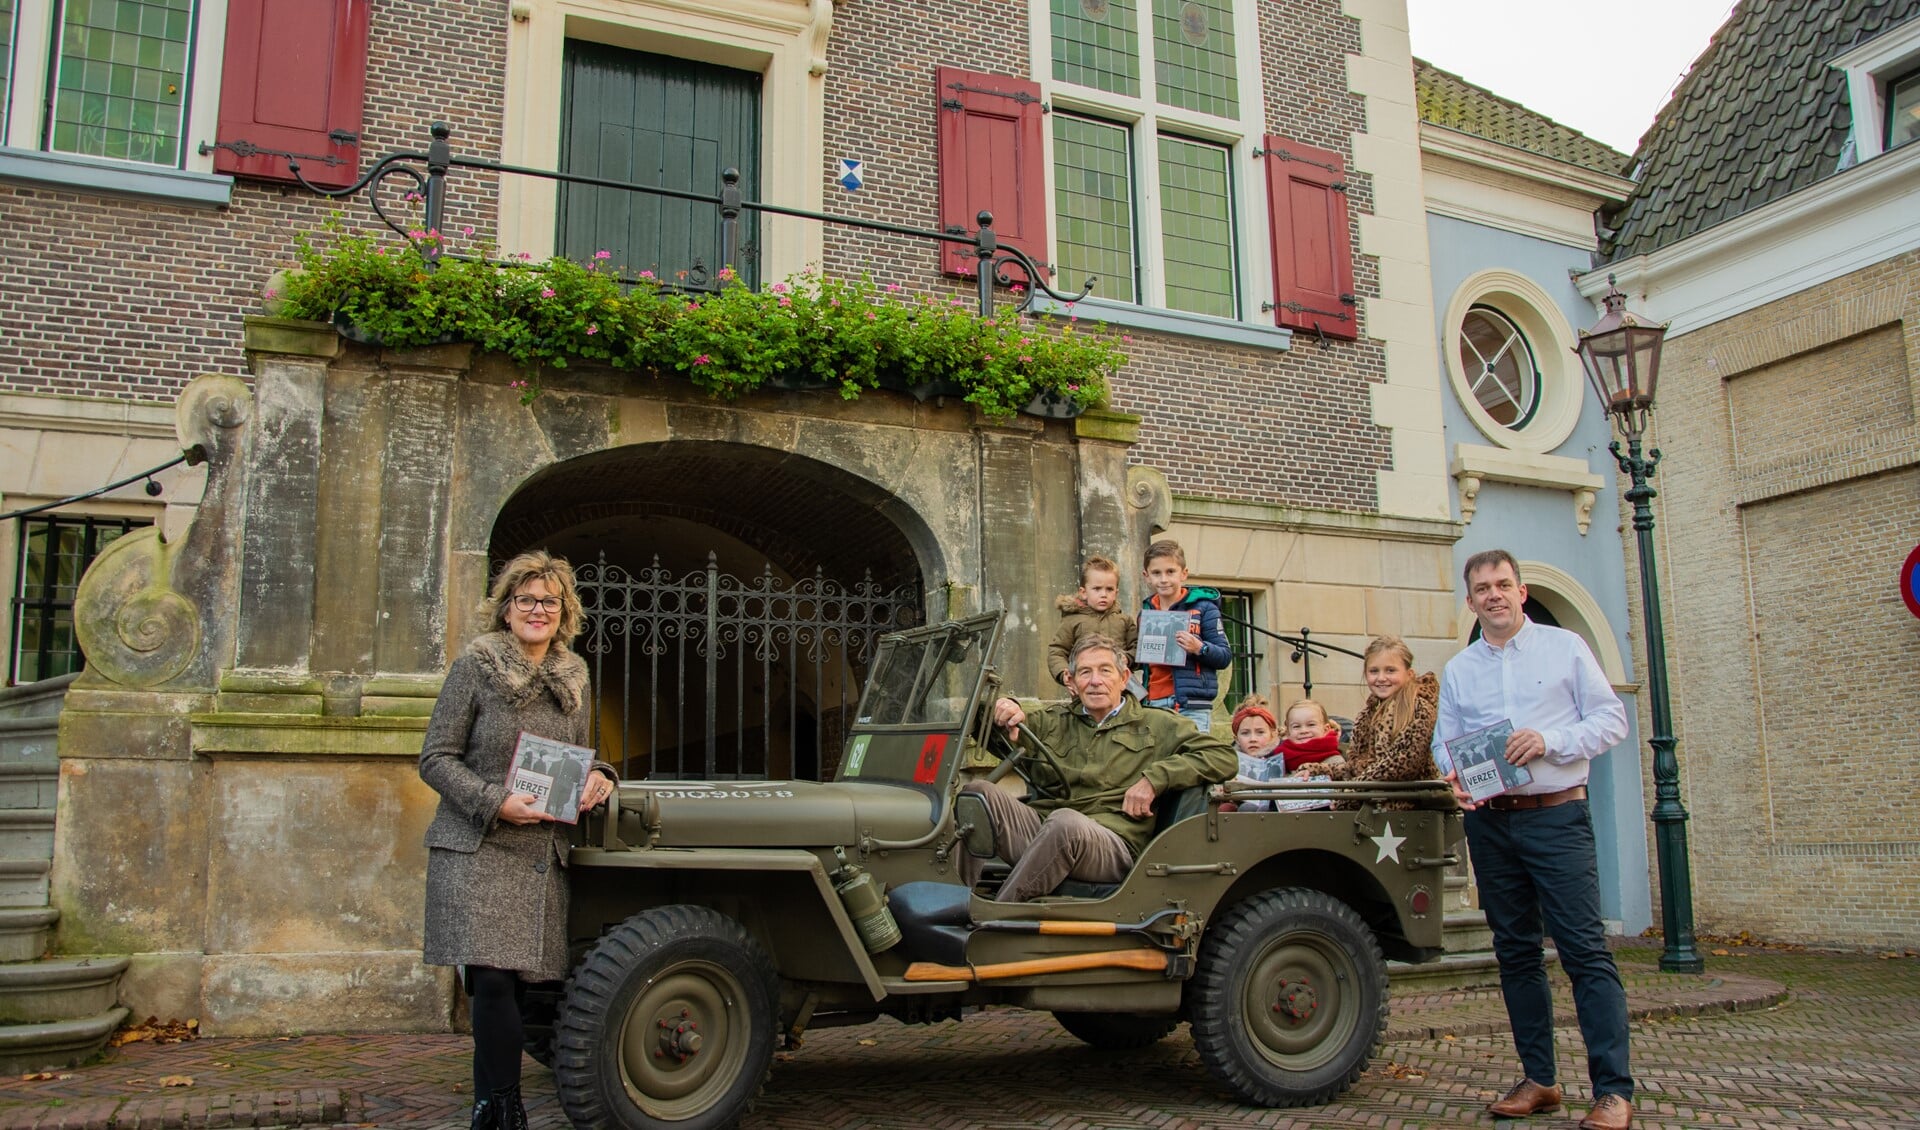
{"points": [[734, 595]]}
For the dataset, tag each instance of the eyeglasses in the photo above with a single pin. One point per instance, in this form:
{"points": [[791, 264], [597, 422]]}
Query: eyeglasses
{"points": [[525, 603]]}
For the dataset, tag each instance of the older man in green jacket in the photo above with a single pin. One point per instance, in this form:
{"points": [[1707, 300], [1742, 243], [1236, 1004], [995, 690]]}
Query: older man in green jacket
{"points": [[1117, 756]]}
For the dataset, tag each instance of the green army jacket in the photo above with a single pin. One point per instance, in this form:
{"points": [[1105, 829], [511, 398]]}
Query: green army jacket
{"points": [[1103, 760]]}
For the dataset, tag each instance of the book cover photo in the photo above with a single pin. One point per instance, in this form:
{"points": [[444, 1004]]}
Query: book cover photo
{"points": [[1157, 646], [1480, 759], [553, 772]]}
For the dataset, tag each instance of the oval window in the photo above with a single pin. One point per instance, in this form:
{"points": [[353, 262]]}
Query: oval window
{"points": [[1499, 366]]}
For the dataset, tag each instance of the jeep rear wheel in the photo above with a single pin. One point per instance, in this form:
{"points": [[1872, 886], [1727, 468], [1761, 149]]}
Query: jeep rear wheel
{"points": [[669, 1021], [1289, 998], [1117, 1031]]}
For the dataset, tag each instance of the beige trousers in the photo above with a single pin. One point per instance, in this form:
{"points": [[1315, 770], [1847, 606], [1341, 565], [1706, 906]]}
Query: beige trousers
{"points": [[1044, 852]]}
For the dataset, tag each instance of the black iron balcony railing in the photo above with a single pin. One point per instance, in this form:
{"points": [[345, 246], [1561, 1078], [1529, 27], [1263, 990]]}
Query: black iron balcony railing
{"points": [[428, 172], [1305, 648]]}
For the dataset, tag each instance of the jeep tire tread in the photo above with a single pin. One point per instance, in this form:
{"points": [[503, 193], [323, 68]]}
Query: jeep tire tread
{"points": [[1289, 998], [1118, 1031], [669, 1021]]}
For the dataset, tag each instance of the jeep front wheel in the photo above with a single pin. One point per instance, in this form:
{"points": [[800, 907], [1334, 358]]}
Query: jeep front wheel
{"points": [[1289, 998], [669, 1020]]}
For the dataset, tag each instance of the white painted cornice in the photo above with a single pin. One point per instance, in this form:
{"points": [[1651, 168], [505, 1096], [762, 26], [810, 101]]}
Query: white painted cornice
{"points": [[1849, 221], [1602, 187]]}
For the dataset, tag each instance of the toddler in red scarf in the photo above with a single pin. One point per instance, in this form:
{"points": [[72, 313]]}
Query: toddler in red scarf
{"points": [[1312, 742]]}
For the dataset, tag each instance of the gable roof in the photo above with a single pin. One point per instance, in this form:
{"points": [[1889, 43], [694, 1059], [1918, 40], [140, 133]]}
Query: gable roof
{"points": [[1445, 99], [1761, 114]]}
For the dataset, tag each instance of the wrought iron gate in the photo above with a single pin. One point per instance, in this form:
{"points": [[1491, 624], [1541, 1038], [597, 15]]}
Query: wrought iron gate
{"points": [[710, 676]]}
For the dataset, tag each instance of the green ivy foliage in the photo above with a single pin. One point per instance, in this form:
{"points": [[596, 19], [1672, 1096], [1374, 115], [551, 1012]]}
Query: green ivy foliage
{"points": [[838, 333]]}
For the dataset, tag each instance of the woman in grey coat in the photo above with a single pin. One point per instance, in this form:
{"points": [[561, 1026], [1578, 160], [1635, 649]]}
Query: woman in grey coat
{"points": [[496, 899]]}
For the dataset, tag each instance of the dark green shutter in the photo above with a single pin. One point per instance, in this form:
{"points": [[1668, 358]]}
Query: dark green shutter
{"points": [[656, 120]]}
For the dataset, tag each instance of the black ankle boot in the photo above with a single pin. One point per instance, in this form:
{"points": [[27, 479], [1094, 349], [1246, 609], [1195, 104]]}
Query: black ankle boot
{"points": [[486, 1115], [509, 1113]]}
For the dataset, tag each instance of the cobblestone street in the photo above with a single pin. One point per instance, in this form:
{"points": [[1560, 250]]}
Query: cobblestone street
{"points": [[1841, 1050]]}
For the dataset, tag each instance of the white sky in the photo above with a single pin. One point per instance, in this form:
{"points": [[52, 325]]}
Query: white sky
{"points": [[1603, 68]]}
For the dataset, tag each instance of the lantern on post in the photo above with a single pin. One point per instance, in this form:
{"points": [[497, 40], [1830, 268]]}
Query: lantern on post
{"points": [[1621, 355]]}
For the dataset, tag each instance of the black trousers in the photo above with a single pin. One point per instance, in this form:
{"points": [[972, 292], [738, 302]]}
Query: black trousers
{"points": [[1538, 875], [496, 998]]}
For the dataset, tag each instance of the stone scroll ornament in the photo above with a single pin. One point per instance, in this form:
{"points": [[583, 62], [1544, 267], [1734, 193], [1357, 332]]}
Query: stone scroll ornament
{"points": [[135, 628]]}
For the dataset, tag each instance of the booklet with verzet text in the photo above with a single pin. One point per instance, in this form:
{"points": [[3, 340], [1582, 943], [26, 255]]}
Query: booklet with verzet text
{"points": [[1480, 760], [1157, 647], [553, 772]]}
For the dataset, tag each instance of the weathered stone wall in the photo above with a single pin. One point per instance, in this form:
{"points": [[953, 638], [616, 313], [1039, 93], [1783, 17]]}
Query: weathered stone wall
{"points": [[1781, 528], [258, 687]]}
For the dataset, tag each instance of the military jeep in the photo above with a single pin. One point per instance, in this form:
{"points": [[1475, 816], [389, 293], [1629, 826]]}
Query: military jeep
{"points": [[718, 921]]}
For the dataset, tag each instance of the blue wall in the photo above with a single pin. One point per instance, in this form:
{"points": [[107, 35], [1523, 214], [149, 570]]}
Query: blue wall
{"points": [[1537, 524]]}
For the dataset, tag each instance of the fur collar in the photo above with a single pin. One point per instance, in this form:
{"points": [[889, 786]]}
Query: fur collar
{"points": [[562, 673]]}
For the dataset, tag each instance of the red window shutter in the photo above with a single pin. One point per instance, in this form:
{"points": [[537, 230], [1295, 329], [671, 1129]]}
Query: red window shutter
{"points": [[990, 161], [1312, 248], [294, 76]]}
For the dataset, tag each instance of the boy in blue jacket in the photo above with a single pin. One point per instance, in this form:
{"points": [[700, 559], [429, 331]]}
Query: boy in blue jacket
{"points": [[1189, 689]]}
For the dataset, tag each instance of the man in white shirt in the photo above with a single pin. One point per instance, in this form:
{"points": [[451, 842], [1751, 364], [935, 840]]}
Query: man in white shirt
{"points": [[1533, 852]]}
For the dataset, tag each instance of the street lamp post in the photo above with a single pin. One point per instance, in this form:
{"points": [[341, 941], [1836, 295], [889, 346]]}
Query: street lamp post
{"points": [[1621, 355]]}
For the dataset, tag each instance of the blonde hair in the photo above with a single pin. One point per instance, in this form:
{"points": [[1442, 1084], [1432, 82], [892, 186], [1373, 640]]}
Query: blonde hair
{"points": [[1398, 708], [1325, 718], [538, 565]]}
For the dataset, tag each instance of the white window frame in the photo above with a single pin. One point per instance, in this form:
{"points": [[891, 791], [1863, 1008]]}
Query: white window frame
{"points": [[1870, 68], [782, 40], [1534, 313], [1147, 120], [24, 157]]}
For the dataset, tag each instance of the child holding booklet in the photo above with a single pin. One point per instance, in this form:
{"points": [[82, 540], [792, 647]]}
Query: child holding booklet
{"points": [[1188, 687], [1311, 744]]}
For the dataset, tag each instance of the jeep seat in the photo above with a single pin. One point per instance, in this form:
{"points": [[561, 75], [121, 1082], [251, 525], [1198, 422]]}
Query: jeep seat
{"points": [[933, 919], [1168, 811]]}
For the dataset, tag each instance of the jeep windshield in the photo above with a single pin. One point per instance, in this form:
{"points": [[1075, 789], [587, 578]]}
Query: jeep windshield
{"points": [[919, 702]]}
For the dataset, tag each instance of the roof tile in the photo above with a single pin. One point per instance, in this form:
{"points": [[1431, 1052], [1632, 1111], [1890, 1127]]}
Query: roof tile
{"points": [[1759, 115], [1447, 100]]}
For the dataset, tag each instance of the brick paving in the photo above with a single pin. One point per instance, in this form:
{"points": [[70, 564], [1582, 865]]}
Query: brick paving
{"points": [[1764, 1040]]}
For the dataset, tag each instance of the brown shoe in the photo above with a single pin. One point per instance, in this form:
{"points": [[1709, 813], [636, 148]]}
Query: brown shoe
{"points": [[1527, 1097], [1612, 1112]]}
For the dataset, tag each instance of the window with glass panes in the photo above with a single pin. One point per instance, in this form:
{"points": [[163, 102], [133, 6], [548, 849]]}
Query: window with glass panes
{"points": [[7, 8], [1236, 619], [55, 551], [120, 78], [1149, 150]]}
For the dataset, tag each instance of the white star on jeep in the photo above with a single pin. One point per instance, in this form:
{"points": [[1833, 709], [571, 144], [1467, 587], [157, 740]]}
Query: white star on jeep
{"points": [[1388, 843]]}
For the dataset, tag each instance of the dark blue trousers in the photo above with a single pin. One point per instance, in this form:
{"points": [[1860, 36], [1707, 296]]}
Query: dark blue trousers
{"points": [[1534, 868]]}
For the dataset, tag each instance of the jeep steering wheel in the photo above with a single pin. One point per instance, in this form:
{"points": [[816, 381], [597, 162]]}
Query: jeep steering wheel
{"points": [[1010, 762]]}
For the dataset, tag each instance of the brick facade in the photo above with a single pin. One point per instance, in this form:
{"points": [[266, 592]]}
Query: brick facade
{"points": [[107, 297], [114, 298], [1791, 655]]}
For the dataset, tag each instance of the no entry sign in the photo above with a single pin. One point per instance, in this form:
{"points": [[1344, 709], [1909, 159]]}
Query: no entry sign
{"points": [[1910, 581]]}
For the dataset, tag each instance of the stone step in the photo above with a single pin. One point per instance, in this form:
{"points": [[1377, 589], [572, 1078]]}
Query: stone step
{"points": [[36, 700], [59, 988], [24, 931], [1477, 970], [30, 741], [29, 784], [1467, 932], [26, 833], [61, 1043], [23, 882]]}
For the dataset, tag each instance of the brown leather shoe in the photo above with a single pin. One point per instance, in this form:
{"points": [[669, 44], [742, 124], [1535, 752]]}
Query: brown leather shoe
{"points": [[1612, 1112], [1526, 1097]]}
